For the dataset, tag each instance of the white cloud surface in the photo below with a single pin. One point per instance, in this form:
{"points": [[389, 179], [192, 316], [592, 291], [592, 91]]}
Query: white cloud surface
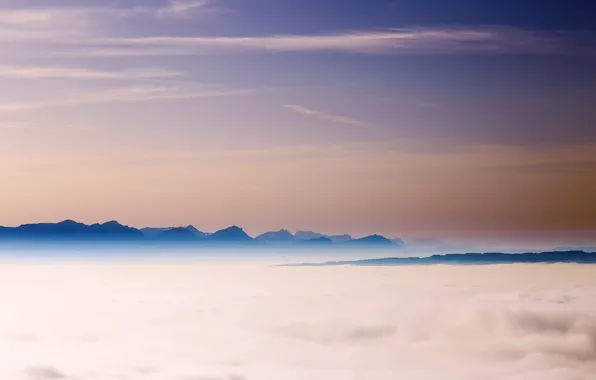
{"points": [[192, 321]]}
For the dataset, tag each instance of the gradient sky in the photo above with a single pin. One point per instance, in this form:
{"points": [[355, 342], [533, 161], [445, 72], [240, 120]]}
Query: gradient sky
{"points": [[401, 117]]}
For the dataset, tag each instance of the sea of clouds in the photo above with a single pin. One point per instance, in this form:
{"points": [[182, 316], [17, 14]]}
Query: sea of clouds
{"points": [[199, 321]]}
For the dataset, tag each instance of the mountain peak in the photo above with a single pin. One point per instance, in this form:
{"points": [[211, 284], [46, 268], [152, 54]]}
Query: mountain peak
{"points": [[307, 235], [69, 222], [112, 223], [281, 235], [232, 234], [195, 231], [372, 240], [323, 240], [72, 230], [176, 233], [340, 238]]}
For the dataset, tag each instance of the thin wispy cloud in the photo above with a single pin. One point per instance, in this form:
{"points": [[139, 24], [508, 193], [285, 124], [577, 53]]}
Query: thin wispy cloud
{"points": [[10, 125], [123, 95], [86, 31], [47, 16], [49, 23], [392, 41], [23, 126], [182, 7], [28, 72], [327, 116]]}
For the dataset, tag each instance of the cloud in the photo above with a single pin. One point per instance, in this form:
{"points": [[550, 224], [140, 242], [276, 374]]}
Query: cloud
{"points": [[40, 17], [566, 167], [494, 322], [28, 72], [326, 116], [63, 24], [10, 125], [391, 41], [335, 334], [182, 7], [229, 377], [123, 95], [87, 31], [43, 373]]}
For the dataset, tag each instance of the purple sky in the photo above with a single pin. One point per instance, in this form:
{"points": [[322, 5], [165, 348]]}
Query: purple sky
{"points": [[406, 118]]}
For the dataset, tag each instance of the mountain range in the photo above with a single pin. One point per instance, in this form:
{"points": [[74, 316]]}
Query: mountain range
{"points": [[573, 257], [70, 230]]}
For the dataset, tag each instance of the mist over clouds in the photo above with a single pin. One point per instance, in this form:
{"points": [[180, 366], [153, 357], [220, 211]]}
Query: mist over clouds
{"points": [[236, 322]]}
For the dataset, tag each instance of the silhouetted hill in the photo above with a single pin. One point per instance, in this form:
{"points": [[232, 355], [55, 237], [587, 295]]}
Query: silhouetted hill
{"points": [[115, 228], [576, 257], [399, 242], [231, 234], [317, 241], [152, 232], [376, 240], [307, 235], [587, 248], [196, 232], [276, 236], [71, 230], [340, 238], [175, 234], [67, 227]]}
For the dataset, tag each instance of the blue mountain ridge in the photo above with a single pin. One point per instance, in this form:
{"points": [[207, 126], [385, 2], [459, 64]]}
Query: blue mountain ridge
{"points": [[373, 239], [323, 240], [276, 236], [70, 230], [490, 258]]}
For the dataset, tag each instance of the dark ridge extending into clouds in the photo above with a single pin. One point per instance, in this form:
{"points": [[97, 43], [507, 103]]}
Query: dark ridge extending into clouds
{"points": [[576, 257]]}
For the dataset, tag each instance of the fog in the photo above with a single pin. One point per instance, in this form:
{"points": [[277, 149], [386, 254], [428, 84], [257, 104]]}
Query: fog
{"points": [[205, 321]]}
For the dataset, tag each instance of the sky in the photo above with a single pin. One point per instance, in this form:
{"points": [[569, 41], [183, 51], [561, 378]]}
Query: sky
{"points": [[408, 118]]}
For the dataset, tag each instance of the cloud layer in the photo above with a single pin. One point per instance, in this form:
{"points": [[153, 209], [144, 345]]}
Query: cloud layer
{"points": [[235, 322]]}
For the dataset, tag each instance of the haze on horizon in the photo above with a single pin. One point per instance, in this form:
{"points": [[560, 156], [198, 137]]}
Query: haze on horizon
{"points": [[403, 118]]}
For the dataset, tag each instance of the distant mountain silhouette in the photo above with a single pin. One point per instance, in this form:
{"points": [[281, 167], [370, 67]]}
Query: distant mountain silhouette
{"points": [[340, 238], [307, 235], [175, 234], [188, 233], [197, 232], [587, 248], [71, 230], [399, 242], [276, 236], [152, 232], [323, 240], [371, 240], [576, 257], [231, 234]]}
